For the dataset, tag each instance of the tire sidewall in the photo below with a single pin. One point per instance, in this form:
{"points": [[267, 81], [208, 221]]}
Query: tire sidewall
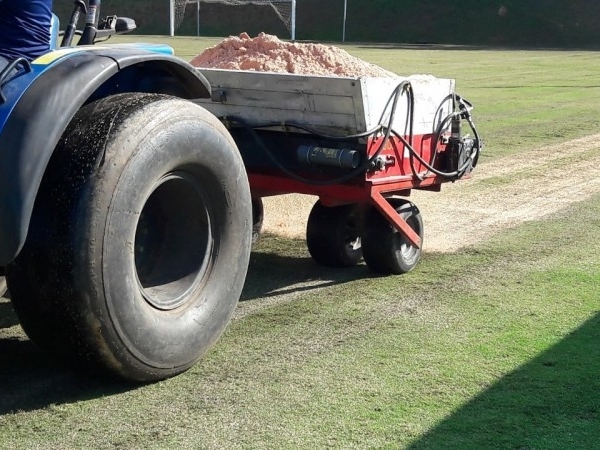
{"points": [[326, 233], [135, 161]]}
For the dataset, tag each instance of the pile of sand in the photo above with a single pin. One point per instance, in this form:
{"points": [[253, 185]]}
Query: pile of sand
{"points": [[267, 53]]}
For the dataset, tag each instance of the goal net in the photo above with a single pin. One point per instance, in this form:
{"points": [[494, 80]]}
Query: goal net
{"points": [[285, 10]]}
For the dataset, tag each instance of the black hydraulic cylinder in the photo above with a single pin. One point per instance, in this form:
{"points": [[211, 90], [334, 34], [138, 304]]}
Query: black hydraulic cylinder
{"points": [[324, 156]]}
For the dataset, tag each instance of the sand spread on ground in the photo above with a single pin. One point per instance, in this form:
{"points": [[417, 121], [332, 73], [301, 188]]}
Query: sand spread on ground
{"points": [[267, 53]]}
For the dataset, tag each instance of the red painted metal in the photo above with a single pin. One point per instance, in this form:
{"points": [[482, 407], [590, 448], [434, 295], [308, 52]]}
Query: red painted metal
{"points": [[395, 219], [397, 177]]}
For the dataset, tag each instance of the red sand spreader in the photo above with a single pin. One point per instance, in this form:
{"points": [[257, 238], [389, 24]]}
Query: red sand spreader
{"points": [[359, 144]]}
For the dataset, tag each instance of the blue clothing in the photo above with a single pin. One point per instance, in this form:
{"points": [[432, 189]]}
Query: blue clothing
{"points": [[3, 62], [25, 28]]}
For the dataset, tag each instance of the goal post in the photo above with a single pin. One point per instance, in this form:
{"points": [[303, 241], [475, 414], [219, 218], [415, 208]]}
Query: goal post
{"points": [[177, 11], [285, 10]]}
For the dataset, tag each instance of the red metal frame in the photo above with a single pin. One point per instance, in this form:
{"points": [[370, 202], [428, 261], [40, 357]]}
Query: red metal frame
{"points": [[401, 174]]}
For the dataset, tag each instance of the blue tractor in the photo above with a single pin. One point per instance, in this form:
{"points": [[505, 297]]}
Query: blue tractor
{"points": [[126, 213]]}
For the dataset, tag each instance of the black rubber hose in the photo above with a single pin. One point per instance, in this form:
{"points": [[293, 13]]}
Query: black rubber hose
{"points": [[471, 161], [347, 137], [393, 99], [405, 86], [8, 71]]}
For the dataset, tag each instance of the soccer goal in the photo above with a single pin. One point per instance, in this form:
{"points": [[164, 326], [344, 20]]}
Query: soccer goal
{"points": [[285, 9]]}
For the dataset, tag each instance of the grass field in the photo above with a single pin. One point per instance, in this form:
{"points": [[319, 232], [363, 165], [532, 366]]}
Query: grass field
{"points": [[492, 346]]}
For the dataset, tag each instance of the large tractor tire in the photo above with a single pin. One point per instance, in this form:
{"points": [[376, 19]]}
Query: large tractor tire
{"points": [[140, 239]]}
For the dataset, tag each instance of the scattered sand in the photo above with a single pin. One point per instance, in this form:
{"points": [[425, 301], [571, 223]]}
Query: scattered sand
{"points": [[267, 53]]}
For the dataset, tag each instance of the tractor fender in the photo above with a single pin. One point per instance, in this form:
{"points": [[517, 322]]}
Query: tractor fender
{"points": [[59, 85]]}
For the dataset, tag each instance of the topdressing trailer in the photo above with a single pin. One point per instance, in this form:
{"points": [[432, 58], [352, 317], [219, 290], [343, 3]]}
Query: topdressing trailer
{"points": [[359, 144], [131, 187]]}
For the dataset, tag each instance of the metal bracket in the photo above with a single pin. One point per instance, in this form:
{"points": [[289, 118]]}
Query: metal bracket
{"points": [[392, 215]]}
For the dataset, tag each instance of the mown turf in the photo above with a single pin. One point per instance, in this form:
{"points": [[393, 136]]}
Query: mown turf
{"points": [[492, 347]]}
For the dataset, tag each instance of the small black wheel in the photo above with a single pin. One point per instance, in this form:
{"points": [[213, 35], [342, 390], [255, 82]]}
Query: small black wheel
{"points": [[258, 215], [333, 235], [139, 241], [385, 249]]}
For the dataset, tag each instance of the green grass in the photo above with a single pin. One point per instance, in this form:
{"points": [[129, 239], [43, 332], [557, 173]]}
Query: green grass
{"points": [[495, 346], [491, 347]]}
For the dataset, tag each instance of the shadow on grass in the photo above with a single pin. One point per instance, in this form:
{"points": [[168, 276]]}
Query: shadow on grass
{"points": [[487, 48], [553, 401], [8, 318], [421, 46], [29, 380], [283, 266]]}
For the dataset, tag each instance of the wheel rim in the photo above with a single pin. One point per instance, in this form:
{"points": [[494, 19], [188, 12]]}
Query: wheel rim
{"points": [[352, 233], [408, 251], [173, 241], [354, 244]]}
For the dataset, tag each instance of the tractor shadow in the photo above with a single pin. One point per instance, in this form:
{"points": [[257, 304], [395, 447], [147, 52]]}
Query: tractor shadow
{"points": [[281, 266], [29, 380], [549, 402], [8, 318]]}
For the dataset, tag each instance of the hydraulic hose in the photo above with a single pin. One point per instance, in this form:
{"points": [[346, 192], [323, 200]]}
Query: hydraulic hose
{"points": [[464, 112], [393, 99]]}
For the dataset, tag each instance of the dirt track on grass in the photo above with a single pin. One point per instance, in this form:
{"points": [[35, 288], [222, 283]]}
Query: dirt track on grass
{"points": [[501, 194]]}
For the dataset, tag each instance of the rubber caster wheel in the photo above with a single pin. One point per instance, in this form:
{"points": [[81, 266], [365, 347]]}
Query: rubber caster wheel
{"points": [[333, 235], [386, 250]]}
